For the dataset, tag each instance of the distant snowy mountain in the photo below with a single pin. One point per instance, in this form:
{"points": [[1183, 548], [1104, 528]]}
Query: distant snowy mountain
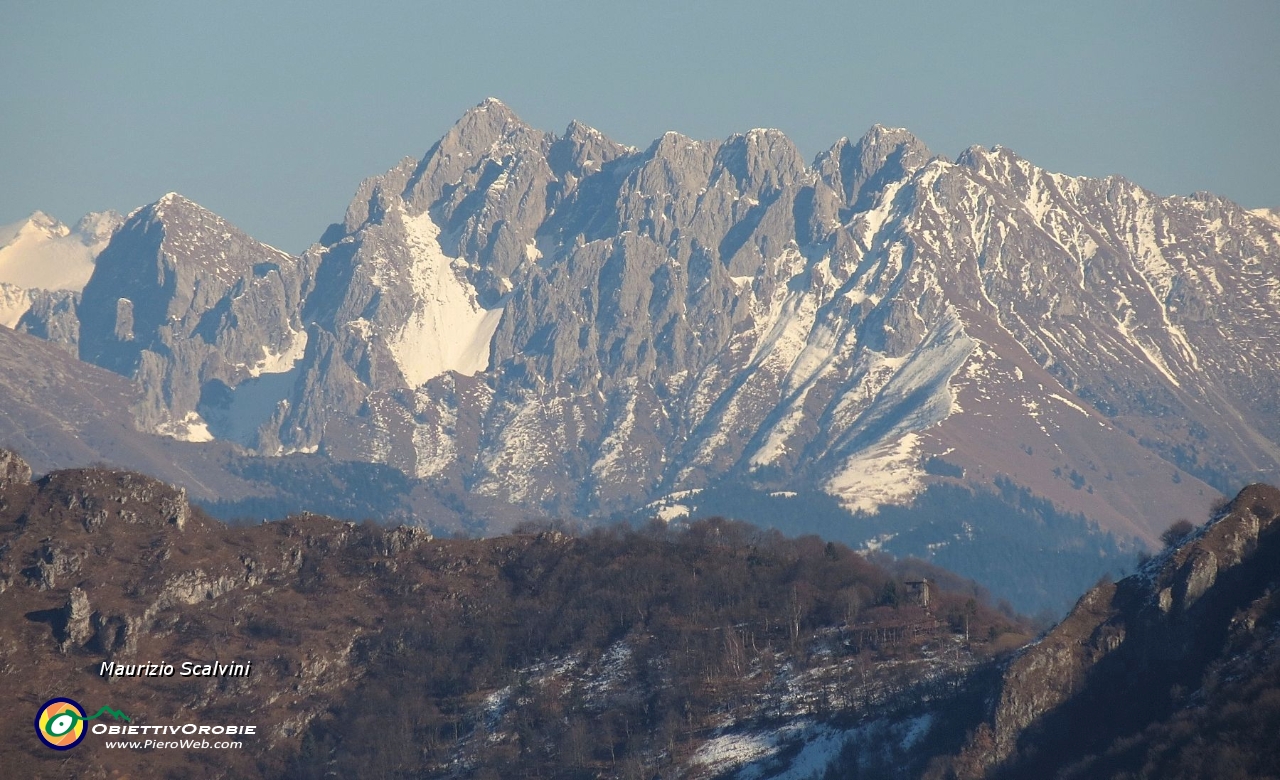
{"points": [[43, 266], [563, 324], [42, 253]]}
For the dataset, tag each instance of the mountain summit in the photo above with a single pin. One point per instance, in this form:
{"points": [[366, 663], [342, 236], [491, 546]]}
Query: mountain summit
{"points": [[529, 323], [185, 303], [567, 323]]}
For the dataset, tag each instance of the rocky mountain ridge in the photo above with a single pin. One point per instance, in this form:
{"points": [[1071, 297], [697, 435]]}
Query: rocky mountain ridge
{"points": [[536, 323], [659, 319]]}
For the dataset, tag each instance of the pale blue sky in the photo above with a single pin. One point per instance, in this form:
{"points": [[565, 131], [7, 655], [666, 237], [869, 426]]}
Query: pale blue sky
{"points": [[271, 113]]}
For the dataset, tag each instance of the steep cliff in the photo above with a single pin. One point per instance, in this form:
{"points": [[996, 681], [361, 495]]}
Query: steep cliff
{"points": [[1138, 652]]}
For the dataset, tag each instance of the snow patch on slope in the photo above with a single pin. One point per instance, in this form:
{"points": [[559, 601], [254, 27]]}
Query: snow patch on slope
{"points": [[613, 450], [755, 755], [1270, 215], [886, 473], [279, 363], [433, 444], [448, 330], [884, 465], [14, 302], [253, 402], [672, 512], [189, 428], [919, 393]]}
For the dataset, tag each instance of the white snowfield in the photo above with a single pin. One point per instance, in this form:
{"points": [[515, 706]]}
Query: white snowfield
{"points": [[42, 253], [190, 428], [448, 329]]}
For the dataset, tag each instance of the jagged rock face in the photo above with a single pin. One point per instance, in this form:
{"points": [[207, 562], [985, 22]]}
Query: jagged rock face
{"points": [[13, 469], [74, 628], [567, 323], [53, 316], [192, 308], [1166, 623]]}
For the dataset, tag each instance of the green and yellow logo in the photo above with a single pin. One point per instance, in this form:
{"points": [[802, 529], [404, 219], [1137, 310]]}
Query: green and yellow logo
{"points": [[60, 722]]}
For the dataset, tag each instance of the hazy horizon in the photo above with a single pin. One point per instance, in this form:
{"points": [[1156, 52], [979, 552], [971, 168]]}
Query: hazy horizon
{"points": [[272, 117]]}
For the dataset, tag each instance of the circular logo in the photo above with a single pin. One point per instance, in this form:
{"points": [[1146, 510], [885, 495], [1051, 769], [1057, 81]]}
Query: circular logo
{"points": [[60, 723]]}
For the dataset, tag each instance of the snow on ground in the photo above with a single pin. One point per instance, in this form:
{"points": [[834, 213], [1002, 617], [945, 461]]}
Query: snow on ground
{"points": [[255, 400], [610, 672], [672, 512], [876, 542], [669, 508], [614, 450], [189, 428], [278, 363], [729, 751], [821, 747], [513, 464], [755, 755], [434, 442], [885, 469], [448, 330], [1152, 351], [1075, 406], [887, 473], [1270, 215]]}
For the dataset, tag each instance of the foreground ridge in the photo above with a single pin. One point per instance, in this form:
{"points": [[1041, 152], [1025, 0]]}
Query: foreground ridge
{"points": [[684, 648], [1068, 701]]}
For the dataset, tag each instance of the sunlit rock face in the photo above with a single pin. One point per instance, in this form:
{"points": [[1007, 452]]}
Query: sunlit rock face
{"points": [[567, 324]]}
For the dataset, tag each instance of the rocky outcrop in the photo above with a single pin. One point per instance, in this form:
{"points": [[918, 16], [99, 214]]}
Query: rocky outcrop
{"points": [[1170, 617], [53, 317], [51, 561], [13, 469], [73, 623], [193, 309]]}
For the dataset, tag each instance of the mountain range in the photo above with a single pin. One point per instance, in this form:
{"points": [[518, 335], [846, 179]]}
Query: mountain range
{"points": [[529, 324]]}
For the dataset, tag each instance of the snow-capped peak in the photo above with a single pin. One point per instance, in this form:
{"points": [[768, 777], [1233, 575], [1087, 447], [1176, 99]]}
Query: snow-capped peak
{"points": [[41, 252]]}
